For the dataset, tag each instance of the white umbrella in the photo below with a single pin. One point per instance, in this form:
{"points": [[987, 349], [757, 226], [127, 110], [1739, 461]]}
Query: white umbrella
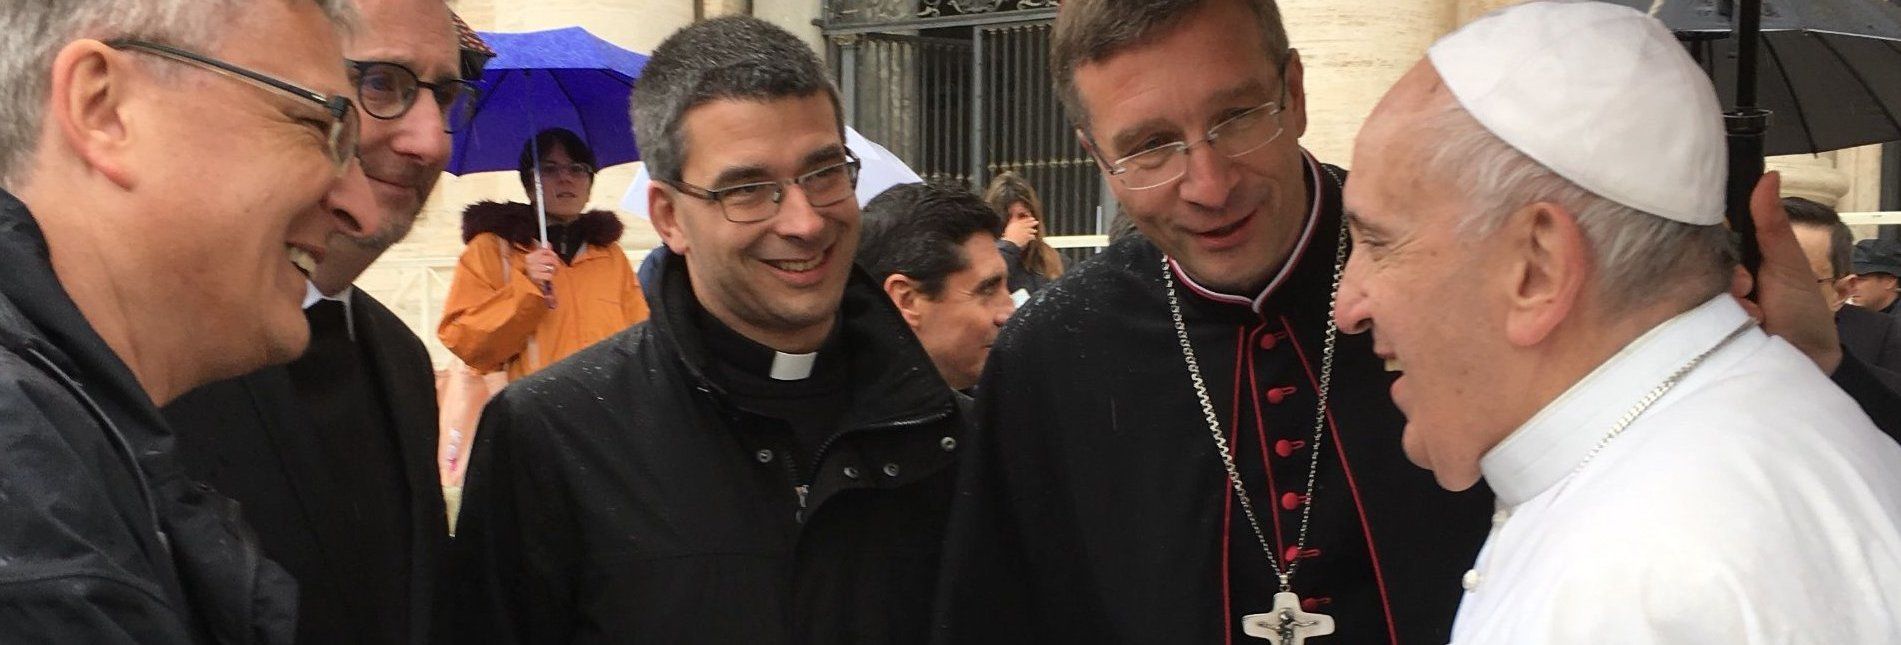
{"points": [[878, 170]]}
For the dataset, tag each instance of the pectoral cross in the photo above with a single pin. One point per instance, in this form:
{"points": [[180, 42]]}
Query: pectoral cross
{"points": [[1286, 624]]}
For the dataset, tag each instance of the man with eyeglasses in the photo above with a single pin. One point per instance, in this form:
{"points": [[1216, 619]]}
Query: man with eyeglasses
{"points": [[157, 182], [1174, 442], [765, 460], [332, 456]]}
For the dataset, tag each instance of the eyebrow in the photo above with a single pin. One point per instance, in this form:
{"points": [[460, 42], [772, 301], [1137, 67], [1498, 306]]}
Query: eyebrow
{"points": [[1127, 137], [1358, 223], [751, 173]]}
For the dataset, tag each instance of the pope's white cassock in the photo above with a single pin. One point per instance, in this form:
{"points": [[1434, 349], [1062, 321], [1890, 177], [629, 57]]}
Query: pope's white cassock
{"points": [[1752, 503]]}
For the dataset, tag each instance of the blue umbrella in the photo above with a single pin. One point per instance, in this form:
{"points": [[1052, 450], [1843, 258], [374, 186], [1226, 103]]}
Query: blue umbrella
{"points": [[562, 78]]}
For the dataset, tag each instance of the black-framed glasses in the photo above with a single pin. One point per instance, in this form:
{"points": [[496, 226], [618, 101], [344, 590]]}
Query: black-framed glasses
{"points": [[340, 137], [388, 90], [759, 201]]}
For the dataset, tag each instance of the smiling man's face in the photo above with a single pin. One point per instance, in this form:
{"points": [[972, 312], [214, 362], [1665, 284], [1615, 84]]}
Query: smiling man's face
{"points": [[403, 157]]}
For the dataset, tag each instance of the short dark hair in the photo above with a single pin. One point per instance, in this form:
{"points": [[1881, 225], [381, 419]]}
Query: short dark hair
{"points": [[1841, 242], [729, 57], [918, 230], [546, 141], [1087, 31]]}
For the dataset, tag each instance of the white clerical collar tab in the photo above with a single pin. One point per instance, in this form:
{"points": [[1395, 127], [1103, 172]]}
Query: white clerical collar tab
{"points": [[792, 367]]}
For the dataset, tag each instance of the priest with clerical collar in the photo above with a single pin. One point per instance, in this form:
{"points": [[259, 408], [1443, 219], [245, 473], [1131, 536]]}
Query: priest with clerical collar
{"points": [[1537, 211]]}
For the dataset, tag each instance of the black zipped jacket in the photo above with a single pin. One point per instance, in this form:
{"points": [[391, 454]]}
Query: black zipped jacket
{"points": [[621, 496], [102, 537]]}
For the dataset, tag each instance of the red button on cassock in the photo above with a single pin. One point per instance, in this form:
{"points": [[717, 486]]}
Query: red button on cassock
{"points": [[1311, 605], [1271, 339], [1276, 395], [1295, 553], [1286, 448], [1292, 501]]}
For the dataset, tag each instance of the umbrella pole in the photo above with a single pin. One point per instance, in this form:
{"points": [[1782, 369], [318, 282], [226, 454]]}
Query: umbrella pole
{"points": [[1745, 126], [541, 210]]}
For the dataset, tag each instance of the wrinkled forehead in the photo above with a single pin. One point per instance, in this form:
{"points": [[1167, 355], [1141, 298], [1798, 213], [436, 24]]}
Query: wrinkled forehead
{"points": [[418, 34]]}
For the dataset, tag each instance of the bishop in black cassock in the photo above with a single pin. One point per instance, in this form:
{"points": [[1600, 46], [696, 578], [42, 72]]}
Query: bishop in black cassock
{"points": [[1095, 508]]}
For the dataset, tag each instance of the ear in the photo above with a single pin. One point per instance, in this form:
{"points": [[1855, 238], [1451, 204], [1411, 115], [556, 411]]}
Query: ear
{"points": [[1295, 111], [905, 295], [1550, 262], [90, 110], [1844, 286], [665, 219]]}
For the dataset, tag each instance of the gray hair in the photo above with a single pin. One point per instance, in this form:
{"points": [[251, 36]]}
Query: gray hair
{"points": [[730, 57], [1087, 31], [33, 31], [1641, 259]]}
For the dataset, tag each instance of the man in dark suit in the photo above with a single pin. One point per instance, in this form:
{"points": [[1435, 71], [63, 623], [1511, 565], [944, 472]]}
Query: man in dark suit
{"points": [[1876, 287], [333, 455], [1870, 335]]}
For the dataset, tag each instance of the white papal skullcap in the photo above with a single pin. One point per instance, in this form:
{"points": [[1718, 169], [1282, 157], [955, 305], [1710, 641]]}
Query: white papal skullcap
{"points": [[1602, 95]]}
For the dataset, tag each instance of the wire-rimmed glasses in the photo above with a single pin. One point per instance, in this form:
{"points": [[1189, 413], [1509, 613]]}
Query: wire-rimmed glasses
{"points": [[759, 201]]}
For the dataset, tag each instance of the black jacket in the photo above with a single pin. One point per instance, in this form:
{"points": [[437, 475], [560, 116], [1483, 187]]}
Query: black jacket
{"points": [[621, 496], [252, 438], [102, 537]]}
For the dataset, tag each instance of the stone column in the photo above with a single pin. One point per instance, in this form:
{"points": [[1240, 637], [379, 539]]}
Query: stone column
{"points": [[1354, 50], [1812, 177]]}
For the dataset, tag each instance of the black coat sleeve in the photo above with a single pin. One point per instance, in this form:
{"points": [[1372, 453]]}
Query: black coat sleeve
{"points": [[1876, 390], [71, 568], [515, 548]]}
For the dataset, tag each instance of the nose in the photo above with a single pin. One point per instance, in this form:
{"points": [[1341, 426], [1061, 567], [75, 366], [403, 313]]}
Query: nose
{"points": [[1351, 312], [1208, 177], [420, 133], [797, 219], [1005, 307], [352, 206]]}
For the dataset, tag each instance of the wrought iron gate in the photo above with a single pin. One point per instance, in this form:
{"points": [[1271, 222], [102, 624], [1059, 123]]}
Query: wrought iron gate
{"points": [[962, 91]]}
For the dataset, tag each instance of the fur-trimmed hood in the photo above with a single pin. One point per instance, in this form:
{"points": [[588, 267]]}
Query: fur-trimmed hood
{"points": [[515, 222]]}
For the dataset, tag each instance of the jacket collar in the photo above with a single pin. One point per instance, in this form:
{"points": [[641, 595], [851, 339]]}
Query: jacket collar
{"points": [[891, 377], [517, 223], [1550, 446]]}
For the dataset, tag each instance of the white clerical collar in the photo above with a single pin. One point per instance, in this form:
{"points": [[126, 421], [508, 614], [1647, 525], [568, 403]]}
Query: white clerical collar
{"points": [[1550, 446], [312, 296], [1314, 198], [792, 367]]}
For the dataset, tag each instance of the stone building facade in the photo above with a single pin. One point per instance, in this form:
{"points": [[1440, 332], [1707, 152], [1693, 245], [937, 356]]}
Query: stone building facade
{"points": [[1353, 51]]}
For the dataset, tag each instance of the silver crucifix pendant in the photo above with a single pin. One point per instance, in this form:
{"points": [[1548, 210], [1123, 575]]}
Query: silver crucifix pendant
{"points": [[1286, 624]]}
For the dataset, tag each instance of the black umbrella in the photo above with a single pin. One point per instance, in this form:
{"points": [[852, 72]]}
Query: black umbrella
{"points": [[1799, 76]]}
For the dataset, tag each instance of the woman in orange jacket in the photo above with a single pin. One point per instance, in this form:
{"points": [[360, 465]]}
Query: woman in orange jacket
{"points": [[518, 303]]}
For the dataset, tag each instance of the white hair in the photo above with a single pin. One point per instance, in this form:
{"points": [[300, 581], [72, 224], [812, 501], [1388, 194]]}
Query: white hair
{"points": [[1640, 259], [33, 31]]}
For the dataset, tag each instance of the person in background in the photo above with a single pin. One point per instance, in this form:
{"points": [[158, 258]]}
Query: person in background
{"points": [[165, 168], [934, 249], [1876, 287], [518, 303], [1540, 249], [1827, 242], [1033, 263], [768, 459], [333, 455]]}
